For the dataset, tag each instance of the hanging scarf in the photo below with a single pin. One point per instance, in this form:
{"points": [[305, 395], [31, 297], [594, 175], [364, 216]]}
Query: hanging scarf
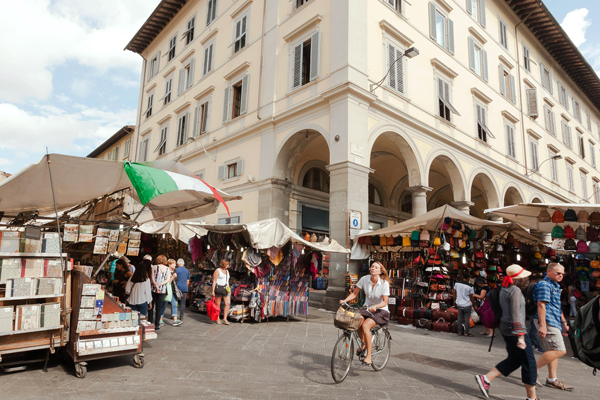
{"points": [[508, 280]]}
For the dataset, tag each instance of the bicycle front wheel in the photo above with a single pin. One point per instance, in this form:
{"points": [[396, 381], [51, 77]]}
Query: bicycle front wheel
{"points": [[381, 349], [341, 358]]}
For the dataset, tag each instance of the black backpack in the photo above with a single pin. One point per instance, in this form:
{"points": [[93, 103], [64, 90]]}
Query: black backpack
{"points": [[494, 300], [530, 305], [587, 334]]}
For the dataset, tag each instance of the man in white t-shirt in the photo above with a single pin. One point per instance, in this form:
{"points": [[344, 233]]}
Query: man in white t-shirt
{"points": [[463, 299]]}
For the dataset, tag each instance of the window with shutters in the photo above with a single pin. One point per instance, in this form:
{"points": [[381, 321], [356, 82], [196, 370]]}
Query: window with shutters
{"points": [[300, 3], [581, 143], [563, 96], [546, 77], [230, 170], [478, 59], [182, 129], [168, 90], [532, 105], [507, 84], [445, 107], [441, 28], [235, 102], [576, 109], [374, 195], [201, 116], [596, 190], [153, 66], [549, 120], [172, 45], [305, 60], [477, 10], [240, 34], [553, 166], [144, 150], [502, 36], [570, 178], [584, 191], [211, 11], [116, 153], [188, 35], [162, 143], [511, 150], [231, 220], [592, 155], [566, 133], [126, 150], [150, 104], [533, 150], [588, 119], [526, 59], [186, 76], [395, 4], [483, 132], [208, 64], [395, 67]]}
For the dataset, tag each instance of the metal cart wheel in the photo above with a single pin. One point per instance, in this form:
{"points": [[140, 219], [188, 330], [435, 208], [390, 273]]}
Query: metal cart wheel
{"points": [[80, 370], [138, 361]]}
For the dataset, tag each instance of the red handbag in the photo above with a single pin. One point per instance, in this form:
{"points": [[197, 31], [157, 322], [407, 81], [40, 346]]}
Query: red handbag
{"points": [[441, 325], [454, 311], [212, 309]]}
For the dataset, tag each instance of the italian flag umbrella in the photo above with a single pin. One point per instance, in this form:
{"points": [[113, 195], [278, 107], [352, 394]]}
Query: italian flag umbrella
{"points": [[172, 196]]}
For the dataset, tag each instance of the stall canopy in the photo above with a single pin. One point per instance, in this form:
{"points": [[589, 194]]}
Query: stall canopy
{"points": [[526, 214], [78, 180], [272, 232], [434, 218], [177, 229]]}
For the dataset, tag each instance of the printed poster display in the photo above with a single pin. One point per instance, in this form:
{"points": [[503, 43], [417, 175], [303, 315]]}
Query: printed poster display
{"points": [[113, 235], [133, 251], [71, 233], [135, 235], [103, 232], [86, 233], [101, 245]]}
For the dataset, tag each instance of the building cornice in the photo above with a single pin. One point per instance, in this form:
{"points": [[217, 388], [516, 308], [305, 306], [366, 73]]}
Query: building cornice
{"points": [[444, 68], [314, 21], [237, 70], [395, 33]]}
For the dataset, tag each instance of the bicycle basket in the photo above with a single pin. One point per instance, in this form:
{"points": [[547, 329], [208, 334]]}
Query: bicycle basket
{"points": [[347, 319]]}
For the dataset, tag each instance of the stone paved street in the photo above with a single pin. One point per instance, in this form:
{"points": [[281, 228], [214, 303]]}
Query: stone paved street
{"points": [[281, 360]]}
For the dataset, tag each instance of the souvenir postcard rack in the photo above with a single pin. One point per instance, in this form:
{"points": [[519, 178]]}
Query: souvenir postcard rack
{"points": [[32, 296], [101, 327]]}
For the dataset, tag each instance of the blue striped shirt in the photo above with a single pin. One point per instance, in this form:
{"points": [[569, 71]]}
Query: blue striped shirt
{"points": [[549, 292]]}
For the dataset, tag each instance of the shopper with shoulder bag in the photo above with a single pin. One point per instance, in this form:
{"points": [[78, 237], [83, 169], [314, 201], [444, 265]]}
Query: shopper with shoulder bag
{"points": [[221, 289], [139, 290], [161, 276], [170, 298]]}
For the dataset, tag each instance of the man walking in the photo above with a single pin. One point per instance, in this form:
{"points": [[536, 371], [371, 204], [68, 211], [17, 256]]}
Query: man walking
{"points": [[463, 298], [183, 283], [551, 323]]}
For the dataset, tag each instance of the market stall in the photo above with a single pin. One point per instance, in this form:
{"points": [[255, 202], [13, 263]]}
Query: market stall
{"points": [[266, 258], [572, 231], [425, 255], [85, 211]]}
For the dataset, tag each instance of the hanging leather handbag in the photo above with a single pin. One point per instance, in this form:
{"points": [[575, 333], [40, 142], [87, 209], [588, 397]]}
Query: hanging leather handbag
{"points": [[405, 321], [454, 311], [441, 325], [441, 287], [424, 324]]}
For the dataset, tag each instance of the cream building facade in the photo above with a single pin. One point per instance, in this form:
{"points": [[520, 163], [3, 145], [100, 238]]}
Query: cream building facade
{"points": [[278, 101], [117, 147]]}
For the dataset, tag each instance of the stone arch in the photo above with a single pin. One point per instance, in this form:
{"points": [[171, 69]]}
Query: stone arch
{"points": [[536, 199], [382, 192], [483, 193], [512, 196], [405, 146], [440, 161], [292, 150], [306, 167]]}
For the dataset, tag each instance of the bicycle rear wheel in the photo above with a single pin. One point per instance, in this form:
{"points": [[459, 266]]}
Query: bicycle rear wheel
{"points": [[381, 349], [341, 358]]}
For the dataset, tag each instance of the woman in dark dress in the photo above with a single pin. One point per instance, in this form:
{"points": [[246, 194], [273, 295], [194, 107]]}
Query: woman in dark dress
{"points": [[122, 275]]}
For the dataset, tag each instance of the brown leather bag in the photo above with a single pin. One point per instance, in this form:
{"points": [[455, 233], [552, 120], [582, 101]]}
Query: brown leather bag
{"points": [[441, 287], [405, 321], [441, 325], [424, 324], [454, 311], [406, 312], [446, 315], [434, 287]]}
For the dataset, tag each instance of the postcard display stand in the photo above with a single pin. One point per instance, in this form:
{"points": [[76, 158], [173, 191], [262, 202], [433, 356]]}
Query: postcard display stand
{"points": [[32, 298], [101, 327]]}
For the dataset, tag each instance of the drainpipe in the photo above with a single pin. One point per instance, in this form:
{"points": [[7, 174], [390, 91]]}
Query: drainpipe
{"points": [[139, 118], [520, 85], [262, 46]]}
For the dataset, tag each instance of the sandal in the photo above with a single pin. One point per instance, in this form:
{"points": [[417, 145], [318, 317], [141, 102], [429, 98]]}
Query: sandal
{"points": [[367, 364], [469, 334]]}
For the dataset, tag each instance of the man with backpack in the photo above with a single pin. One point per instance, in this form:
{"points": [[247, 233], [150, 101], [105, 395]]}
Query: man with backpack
{"points": [[509, 309], [551, 323]]}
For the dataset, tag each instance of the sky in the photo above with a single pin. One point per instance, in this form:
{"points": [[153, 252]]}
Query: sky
{"points": [[66, 83]]}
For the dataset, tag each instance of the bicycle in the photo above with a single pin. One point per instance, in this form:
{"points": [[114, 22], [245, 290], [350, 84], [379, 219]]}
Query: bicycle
{"points": [[343, 351]]}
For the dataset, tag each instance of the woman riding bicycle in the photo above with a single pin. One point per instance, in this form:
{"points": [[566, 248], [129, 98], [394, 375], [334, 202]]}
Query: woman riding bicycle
{"points": [[377, 290]]}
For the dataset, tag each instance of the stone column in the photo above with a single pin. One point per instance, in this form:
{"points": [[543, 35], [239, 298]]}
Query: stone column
{"points": [[419, 199], [464, 206], [349, 184], [496, 218], [274, 200]]}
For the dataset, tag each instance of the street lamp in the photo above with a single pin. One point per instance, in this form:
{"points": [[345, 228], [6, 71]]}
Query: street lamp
{"points": [[409, 53], [556, 157]]}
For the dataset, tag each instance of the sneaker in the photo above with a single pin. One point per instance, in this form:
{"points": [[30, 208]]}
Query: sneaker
{"points": [[156, 328], [557, 384], [538, 349], [483, 386], [162, 322], [178, 323]]}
